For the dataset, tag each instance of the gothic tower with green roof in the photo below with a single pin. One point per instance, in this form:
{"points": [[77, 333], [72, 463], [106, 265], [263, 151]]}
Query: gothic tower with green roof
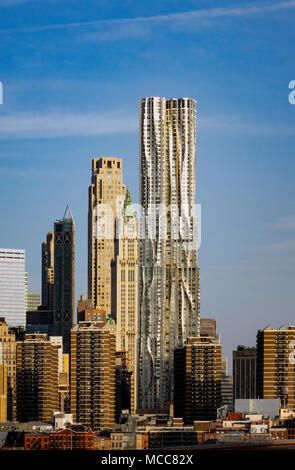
{"points": [[124, 290]]}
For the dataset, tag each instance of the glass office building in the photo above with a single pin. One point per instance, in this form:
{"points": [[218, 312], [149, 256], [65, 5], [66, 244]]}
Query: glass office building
{"points": [[13, 286]]}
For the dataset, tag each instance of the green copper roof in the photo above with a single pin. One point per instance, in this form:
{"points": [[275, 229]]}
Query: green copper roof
{"points": [[128, 209]]}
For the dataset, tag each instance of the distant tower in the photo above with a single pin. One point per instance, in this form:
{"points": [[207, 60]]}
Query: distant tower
{"points": [[105, 191], [13, 286], [33, 301], [226, 384], [64, 277], [7, 358], [244, 373], [125, 289], [208, 329]]}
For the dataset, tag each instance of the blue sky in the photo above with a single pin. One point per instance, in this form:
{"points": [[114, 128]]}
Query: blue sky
{"points": [[73, 73]]}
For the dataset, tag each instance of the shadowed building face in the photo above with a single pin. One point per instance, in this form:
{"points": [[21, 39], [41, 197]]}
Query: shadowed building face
{"points": [[64, 277]]}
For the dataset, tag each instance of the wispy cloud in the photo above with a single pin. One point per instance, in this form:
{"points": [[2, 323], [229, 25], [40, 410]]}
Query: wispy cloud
{"points": [[9, 3], [197, 16], [280, 247], [242, 125], [118, 33], [65, 124], [286, 222], [8, 171], [70, 124]]}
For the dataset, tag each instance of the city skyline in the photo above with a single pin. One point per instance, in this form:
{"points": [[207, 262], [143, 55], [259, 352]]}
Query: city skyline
{"points": [[147, 200], [231, 346], [235, 64]]}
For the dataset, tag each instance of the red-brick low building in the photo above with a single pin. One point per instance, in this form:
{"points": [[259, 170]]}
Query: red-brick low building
{"points": [[290, 433], [36, 442], [65, 439]]}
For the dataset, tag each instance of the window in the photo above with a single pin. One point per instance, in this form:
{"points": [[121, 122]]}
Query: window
{"points": [[131, 276]]}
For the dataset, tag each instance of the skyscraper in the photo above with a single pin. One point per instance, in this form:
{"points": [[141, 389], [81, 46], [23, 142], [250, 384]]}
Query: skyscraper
{"points": [[64, 277], [105, 191], [26, 291], [244, 373], [92, 375], [208, 328], [124, 305], [84, 307], [276, 365], [13, 287], [36, 378], [169, 298], [197, 380], [55, 315], [48, 271]]}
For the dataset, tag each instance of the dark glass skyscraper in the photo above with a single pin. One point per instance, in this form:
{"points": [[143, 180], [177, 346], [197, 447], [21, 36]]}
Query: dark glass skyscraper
{"points": [[64, 277], [244, 373]]}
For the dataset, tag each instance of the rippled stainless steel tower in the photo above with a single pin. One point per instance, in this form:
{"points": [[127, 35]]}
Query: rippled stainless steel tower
{"points": [[169, 294]]}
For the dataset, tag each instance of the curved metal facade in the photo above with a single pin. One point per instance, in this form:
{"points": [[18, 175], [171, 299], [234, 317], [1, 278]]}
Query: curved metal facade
{"points": [[169, 298]]}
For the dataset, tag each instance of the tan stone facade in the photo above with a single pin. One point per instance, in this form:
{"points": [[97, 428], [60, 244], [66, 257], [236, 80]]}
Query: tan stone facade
{"points": [[125, 291], [276, 365], [64, 277], [8, 358], [105, 191]]}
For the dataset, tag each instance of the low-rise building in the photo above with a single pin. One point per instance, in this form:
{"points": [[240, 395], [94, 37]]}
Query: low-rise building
{"points": [[37, 441], [64, 439], [102, 441], [70, 439], [165, 437]]}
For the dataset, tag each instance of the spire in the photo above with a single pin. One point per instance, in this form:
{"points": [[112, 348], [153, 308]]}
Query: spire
{"points": [[68, 214], [128, 209]]}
